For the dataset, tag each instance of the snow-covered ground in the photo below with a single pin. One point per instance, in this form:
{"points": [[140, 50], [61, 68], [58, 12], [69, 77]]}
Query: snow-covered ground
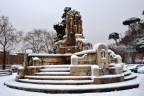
{"points": [[6, 91]]}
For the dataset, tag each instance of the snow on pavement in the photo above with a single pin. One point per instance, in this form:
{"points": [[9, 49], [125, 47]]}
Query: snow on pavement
{"points": [[6, 91]]}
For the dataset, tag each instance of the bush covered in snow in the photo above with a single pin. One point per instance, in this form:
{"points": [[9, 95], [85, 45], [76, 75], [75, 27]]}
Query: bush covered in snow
{"points": [[141, 70]]}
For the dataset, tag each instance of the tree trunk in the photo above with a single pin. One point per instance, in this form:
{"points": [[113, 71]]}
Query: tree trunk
{"points": [[4, 59], [116, 41]]}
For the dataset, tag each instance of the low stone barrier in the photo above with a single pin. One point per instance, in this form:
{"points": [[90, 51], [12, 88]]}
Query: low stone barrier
{"points": [[80, 70], [108, 79], [31, 70], [20, 73]]}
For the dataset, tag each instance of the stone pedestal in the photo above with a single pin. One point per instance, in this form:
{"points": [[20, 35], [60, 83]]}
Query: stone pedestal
{"points": [[74, 60], [21, 73], [81, 70], [36, 61], [32, 70], [95, 70], [108, 79]]}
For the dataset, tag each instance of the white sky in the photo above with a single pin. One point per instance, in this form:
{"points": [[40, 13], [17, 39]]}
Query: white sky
{"points": [[100, 17]]}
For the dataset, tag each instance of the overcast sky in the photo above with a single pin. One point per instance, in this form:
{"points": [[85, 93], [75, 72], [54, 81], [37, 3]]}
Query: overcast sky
{"points": [[100, 17]]}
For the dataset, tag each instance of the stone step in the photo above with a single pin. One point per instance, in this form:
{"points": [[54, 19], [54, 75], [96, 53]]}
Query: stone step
{"points": [[5, 73], [53, 74], [130, 77], [127, 73], [6, 67], [6, 70], [55, 70], [56, 66], [73, 88], [57, 82], [58, 77]]}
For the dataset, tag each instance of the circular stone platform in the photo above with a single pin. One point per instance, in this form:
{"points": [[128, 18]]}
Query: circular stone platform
{"points": [[73, 88], [71, 84]]}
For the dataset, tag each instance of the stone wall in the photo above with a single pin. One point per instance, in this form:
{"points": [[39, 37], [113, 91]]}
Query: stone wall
{"points": [[50, 59], [80, 70], [108, 79]]}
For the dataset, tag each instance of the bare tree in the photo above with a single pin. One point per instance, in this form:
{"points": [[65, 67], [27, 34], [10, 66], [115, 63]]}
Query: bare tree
{"points": [[8, 37], [48, 40], [39, 40]]}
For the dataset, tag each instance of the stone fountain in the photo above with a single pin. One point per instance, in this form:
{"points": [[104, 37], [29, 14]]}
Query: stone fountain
{"points": [[77, 66]]}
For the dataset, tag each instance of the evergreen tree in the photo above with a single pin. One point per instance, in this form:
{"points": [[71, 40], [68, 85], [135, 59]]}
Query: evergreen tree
{"points": [[60, 27]]}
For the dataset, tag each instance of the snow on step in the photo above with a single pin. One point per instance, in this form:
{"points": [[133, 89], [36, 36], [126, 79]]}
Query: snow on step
{"points": [[7, 70], [4, 72], [53, 73], [71, 88], [128, 72], [59, 77], [54, 69], [132, 76], [56, 66], [59, 82]]}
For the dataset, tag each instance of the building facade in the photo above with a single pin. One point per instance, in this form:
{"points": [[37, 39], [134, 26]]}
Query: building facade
{"points": [[16, 58]]}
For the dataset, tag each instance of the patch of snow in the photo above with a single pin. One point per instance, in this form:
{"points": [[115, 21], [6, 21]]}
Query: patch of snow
{"points": [[55, 81], [60, 77], [133, 75], [110, 51], [119, 58], [122, 64], [118, 66], [65, 36], [126, 73], [55, 66], [96, 46], [103, 58], [81, 65], [74, 59], [111, 64], [111, 67], [13, 54], [141, 70], [74, 56], [35, 66], [57, 73], [36, 59], [16, 66], [85, 52], [79, 35], [81, 39], [95, 67], [113, 55], [55, 69], [110, 76], [44, 54], [21, 67]]}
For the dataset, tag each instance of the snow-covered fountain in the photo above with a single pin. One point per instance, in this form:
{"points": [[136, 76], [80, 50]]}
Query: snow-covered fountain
{"points": [[77, 66]]}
